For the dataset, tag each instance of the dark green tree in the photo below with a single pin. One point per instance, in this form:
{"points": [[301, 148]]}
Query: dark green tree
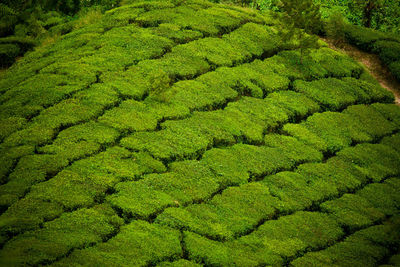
{"points": [[334, 28], [302, 19], [368, 9]]}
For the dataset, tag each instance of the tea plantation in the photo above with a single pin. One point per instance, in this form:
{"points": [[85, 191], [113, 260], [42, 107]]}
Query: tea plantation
{"points": [[185, 133]]}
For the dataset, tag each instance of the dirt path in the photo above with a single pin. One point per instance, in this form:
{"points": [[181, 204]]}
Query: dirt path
{"points": [[373, 64]]}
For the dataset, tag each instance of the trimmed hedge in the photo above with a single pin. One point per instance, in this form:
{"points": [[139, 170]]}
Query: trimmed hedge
{"points": [[365, 247], [395, 69], [138, 243], [57, 238], [388, 51]]}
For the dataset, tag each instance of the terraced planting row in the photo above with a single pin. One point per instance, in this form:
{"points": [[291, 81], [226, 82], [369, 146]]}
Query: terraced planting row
{"points": [[244, 156]]}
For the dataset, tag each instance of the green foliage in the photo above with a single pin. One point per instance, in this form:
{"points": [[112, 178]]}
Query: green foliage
{"points": [[334, 28], [353, 211], [395, 69], [58, 237], [335, 94], [376, 161], [81, 140], [331, 132], [301, 19], [362, 37], [186, 182], [8, 52], [233, 213], [272, 242], [179, 263], [365, 247], [382, 196], [148, 244], [388, 51]]}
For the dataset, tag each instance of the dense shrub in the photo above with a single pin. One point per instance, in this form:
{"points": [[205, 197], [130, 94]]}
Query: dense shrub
{"points": [[367, 246], [388, 51], [8, 53], [395, 69], [361, 37]]}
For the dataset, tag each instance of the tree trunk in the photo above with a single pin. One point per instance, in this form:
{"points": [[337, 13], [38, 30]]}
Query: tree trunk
{"points": [[368, 11]]}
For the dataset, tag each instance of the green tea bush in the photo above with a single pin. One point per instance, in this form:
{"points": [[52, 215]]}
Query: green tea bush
{"points": [[84, 106], [197, 96], [176, 33], [95, 224], [389, 111], [294, 233], [395, 69], [236, 211], [382, 196], [298, 104], [388, 51], [81, 140], [30, 170], [370, 121], [353, 211], [270, 244], [392, 141], [9, 156], [231, 168], [337, 64], [216, 51], [179, 263], [332, 93], [361, 37], [130, 115], [374, 160], [293, 148], [370, 91], [339, 181], [148, 243], [258, 40], [186, 182], [81, 184], [366, 247], [27, 214], [8, 52], [177, 66], [288, 63], [292, 189]]}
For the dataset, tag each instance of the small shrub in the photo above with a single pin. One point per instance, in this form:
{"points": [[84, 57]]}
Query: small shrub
{"points": [[377, 161], [334, 28], [188, 181], [149, 243], [395, 69], [331, 93], [353, 211], [388, 51], [361, 37], [8, 54], [130, 115], [159, 83], [72, 230], [382, 196]]}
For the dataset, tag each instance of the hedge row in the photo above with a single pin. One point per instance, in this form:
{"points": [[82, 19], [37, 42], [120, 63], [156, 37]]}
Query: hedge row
{"points": [[332, 131], [80, 185], [386, 46], [276, 241], [366, 247]]}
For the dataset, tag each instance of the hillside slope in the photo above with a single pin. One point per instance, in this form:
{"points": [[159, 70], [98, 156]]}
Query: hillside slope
{"points": [[184, 133]]}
